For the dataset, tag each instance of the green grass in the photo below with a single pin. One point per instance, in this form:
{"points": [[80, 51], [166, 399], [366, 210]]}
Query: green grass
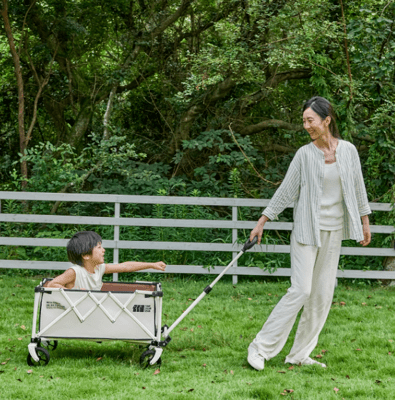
{"points": [[206, 358]]}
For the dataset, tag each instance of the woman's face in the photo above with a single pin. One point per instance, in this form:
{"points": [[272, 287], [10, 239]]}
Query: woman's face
{"points": [[314, 124]]}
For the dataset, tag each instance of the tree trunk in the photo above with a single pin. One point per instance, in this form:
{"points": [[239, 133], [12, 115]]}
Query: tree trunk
{"points": [[107, 114], [55, 110], [21, 101], [81, 124], [249, 101]]}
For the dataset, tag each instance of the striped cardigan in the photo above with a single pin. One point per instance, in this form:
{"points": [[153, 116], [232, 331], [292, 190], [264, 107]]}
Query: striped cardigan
{"points": [[303, 185]]}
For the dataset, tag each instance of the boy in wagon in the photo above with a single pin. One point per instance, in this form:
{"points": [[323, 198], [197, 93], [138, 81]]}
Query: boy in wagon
{"points": [[86, 252]]}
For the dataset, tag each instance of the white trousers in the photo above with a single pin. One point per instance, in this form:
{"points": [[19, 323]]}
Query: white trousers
{"points": [[313, 277]]}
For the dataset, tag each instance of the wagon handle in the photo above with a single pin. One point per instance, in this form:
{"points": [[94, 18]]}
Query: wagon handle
{"points": [[248, 244], [208, 288]]}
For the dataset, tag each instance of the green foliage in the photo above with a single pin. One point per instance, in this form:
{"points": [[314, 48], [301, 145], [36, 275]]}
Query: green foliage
{"points": [[158, 80], [170, 74], [224, 162], [381, 159], [55, 168]]}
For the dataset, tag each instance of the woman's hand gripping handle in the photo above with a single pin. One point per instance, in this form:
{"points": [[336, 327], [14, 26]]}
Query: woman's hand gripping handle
{"points": [[258, 230]]}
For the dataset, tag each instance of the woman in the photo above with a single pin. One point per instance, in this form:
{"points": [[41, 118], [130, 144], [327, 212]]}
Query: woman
{"points": [[325, 182]]}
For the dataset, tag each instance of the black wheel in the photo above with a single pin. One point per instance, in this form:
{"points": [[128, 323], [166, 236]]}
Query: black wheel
{"points": [[43, 355], [49, 345], [146, 357]]}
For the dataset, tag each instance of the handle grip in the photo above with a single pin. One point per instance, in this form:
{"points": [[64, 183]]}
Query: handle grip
{"points": [[248, 244]]}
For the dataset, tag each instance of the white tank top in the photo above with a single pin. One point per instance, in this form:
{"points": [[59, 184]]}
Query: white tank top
{"points": [[87, 281], [331, 215]]}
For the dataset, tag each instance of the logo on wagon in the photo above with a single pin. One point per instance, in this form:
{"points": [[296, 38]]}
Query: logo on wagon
{"points": [[141, 308], [54, 304]]}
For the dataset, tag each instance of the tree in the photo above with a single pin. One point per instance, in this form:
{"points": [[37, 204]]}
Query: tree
{"points": [[166, 75]]}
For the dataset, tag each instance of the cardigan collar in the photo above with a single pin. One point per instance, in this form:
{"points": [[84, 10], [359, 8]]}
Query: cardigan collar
{"points": [[318, 151]]}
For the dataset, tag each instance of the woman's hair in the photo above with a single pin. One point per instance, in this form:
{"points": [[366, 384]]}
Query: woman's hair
{"points": [[80, 244], [323, 108]]}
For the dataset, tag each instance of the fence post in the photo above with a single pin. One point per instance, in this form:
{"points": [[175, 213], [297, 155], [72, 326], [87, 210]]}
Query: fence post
{"points": [[234, 241], [117, 214], [389, 265]]}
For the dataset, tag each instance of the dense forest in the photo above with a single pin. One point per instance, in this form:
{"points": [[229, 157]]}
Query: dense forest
{"points": [[135, 96], [189, 97]]}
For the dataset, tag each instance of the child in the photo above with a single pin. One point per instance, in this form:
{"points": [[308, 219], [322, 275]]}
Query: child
{"points": [[85, 251]]}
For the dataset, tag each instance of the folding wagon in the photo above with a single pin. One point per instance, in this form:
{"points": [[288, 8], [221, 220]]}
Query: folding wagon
{"points": [[119, 311]]}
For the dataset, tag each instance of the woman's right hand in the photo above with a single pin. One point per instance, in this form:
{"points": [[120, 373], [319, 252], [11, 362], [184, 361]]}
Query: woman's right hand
{"points": [[258, 230]]}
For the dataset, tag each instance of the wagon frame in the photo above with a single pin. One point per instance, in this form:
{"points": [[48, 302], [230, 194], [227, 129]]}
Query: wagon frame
{"points": [[124, 311]]}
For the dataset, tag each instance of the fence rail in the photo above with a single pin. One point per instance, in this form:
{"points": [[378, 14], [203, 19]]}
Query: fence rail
{"points": [[117, 221]]}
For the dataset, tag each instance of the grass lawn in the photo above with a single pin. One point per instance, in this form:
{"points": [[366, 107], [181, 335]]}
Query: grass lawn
{"points": [[206, 358]]}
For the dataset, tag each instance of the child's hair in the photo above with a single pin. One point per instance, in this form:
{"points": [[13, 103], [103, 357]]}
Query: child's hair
{"points": [[80, 244]]}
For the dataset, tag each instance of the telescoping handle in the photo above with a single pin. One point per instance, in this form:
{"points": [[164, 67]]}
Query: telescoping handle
{"points": [[248, 244]]}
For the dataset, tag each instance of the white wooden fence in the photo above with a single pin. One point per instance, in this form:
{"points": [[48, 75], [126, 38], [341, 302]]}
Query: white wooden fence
{"points": [[118, 221]]}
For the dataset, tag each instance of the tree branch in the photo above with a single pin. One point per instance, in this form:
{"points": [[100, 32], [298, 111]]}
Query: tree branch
{"points": [[366, 138], [231, 6], [70, 84], [222, 90], [83, 178], [136, 82], [249, 161], [346, 50], [24, 24], [249, 101], [279, 148], [41, 85], [172, 18], [217, 92], [270, 123]]}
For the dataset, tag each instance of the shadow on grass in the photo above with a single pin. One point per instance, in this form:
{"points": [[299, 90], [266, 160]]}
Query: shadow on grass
{"points": [[98, 352]]}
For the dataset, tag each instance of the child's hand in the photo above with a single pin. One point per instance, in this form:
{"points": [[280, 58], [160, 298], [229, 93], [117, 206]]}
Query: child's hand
{"points": [[160, 265]]}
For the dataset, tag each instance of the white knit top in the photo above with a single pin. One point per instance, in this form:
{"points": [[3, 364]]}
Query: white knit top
{"points": [[87, 281], [331, 213]]}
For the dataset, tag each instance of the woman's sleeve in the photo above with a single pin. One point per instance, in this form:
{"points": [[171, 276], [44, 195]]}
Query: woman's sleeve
{"points": [[359, 184], [288, 190]]}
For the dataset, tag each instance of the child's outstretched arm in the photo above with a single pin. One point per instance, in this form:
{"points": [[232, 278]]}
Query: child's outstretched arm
{"points": [[64, 281], [131, 266]]}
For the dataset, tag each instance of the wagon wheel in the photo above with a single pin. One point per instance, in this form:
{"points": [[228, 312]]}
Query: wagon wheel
{"points": [[43, 355], [146, 357], [49, 344]]}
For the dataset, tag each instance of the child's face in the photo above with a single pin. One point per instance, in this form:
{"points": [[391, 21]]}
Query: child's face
{"points": [[97, 256]]}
